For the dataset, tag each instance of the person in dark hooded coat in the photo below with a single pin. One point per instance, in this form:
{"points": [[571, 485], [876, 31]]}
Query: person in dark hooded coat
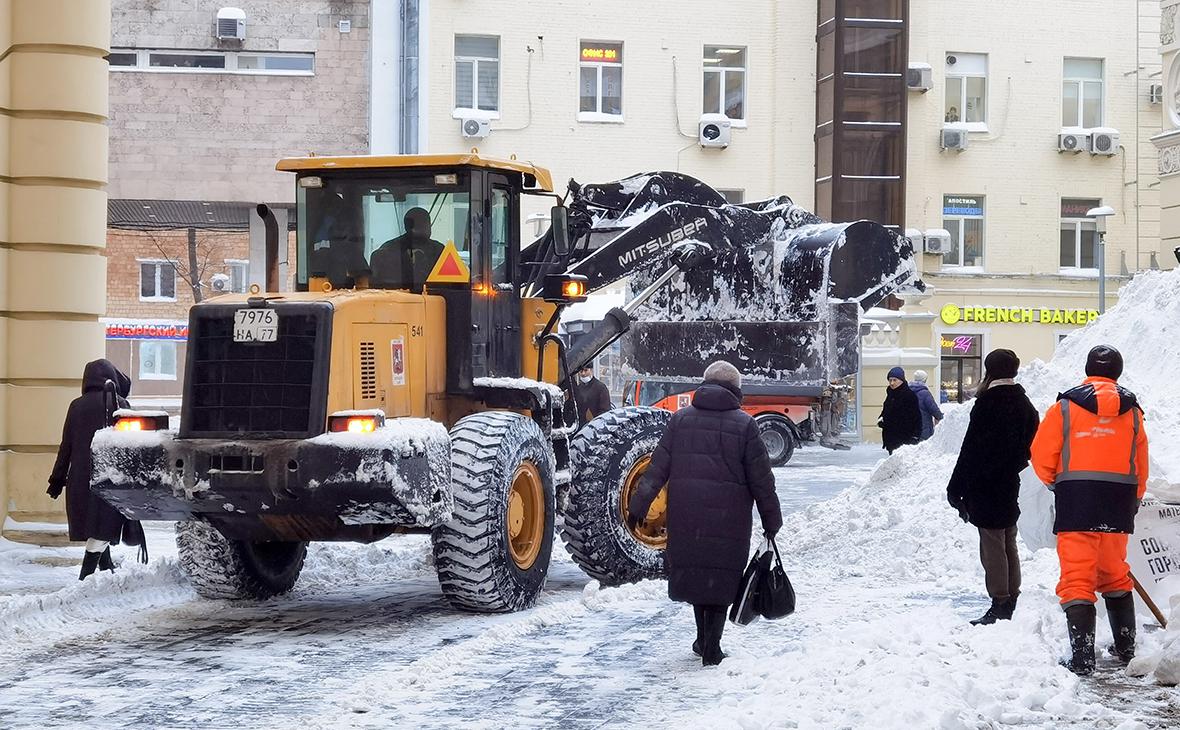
{"points": [[901, 417], [985, 484], [716, 468], [90, 518]]}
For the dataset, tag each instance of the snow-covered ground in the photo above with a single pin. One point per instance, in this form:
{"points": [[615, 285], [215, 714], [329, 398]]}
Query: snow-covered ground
{"points": [[880, 638]]}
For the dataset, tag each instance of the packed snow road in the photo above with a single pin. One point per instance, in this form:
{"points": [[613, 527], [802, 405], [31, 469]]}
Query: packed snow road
{"points": [[366, 640]]}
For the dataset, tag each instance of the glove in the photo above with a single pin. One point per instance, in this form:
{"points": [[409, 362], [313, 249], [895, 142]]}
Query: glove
{"points": [[55, 490]]}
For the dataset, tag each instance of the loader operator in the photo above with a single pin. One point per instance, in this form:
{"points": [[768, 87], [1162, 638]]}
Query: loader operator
{"points": [[1091, 449], [406, 261]]}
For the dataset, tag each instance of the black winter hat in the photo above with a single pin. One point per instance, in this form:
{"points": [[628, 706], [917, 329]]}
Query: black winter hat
{"points": [[1001, 364], [1104, 362]]}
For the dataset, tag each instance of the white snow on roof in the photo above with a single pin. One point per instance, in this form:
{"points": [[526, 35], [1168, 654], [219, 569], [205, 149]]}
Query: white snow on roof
{"points": [[594, 308]]}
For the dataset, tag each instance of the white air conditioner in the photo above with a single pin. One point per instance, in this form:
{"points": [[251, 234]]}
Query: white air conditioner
{"points": [[1104, 142], [919, 77], [1155, 93], [938, 241], [714, 130], [953, 138], [914, 236], [1073, 141], [219, 283], [230, 24], [475, 128]]}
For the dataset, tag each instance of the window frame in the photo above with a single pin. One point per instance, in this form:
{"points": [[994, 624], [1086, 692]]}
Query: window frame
{"points": [[461, 112], [244, 265], [1081, 83], [960, 219], [143, 62], [157, 263], [157, 374], [722, 71], [1077, 222], [963, 76], [598, 115]]}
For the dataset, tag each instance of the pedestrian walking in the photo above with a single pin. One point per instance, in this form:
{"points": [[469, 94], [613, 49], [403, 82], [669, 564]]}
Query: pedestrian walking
{"points": [[985, 484], [716, 468], [591, 396], [927, 406], [1091, 451], [901, 418], [91, 520]]}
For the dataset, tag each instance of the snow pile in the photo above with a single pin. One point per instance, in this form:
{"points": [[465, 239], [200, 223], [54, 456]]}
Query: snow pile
{"points": [[520, 384]]}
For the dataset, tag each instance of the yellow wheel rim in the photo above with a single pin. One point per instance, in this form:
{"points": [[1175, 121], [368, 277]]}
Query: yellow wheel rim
{"points": [[526, 516], [653, 531]]}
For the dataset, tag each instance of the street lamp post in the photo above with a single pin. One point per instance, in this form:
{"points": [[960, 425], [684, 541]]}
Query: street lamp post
{"points": [[1100, 214]]}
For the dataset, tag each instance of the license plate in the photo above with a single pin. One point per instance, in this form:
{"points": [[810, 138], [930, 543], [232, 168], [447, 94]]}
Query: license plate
{"points": [[256, 325]]}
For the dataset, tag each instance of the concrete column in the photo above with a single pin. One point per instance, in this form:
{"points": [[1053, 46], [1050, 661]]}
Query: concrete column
{"points": [[53, 175]]}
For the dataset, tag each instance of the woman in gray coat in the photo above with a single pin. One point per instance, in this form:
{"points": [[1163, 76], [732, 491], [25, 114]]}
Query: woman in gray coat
{"points": [[716, 468]]}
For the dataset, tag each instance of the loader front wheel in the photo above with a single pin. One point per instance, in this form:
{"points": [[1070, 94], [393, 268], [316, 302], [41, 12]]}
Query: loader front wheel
{"points": [[493, 555], [234, 569], [609, 456]]}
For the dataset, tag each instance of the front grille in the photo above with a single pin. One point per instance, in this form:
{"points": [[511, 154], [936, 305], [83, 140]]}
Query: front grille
{"points": [[368, 371], [275, 389]]}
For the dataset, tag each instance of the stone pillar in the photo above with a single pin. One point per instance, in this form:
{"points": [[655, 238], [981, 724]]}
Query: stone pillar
{"points": [[1168, 140], [53, 174]]}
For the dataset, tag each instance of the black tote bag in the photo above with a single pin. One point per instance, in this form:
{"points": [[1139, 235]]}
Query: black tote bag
{"points": [[775, 597], [745, 609]]}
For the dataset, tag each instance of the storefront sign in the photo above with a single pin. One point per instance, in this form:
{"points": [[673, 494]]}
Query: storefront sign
{"points": [[602, 53], [147, 331], [961, 205], [960, 345], [1154, 550], [953, 314]]}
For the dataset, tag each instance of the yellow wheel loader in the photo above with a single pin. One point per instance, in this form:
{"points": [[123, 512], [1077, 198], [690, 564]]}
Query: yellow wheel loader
{"points": [[414, 381]]}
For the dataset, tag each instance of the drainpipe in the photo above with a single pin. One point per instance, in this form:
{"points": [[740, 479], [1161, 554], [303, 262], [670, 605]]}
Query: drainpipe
{"points": [[410, 29]]}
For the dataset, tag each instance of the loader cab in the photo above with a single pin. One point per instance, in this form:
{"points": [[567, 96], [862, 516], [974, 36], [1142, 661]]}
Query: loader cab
{"points": [[437, 225]]}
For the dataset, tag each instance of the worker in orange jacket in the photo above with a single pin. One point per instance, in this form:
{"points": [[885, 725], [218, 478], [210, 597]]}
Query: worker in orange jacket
{"points": [[1091, 450]]}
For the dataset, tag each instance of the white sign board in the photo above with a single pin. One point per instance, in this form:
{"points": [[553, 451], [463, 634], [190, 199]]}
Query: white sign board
{"points": [[1154, 550]]}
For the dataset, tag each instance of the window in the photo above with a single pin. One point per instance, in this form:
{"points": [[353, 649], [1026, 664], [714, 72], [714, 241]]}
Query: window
{"points": [[961, 366], [1081, 93], [725, 81], [1079, 234], [157, 281], [966, 90], [501, 210], [237, 62], [600, 81], [962, 215], [733, 197], [239, 275], [157, 360], [477, 73]]}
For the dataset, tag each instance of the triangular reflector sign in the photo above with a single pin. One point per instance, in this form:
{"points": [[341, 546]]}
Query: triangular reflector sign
{"points": [[449, 269]]}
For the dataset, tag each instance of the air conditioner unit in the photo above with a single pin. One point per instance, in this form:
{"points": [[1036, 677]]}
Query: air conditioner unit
{"points": [[919, 77], [714, 130], [938, 241], [953, 138], [1073, 142], [475, 128], [230, 24], [1104, 142], [1155, 93], [914, 236], [219, 283]]}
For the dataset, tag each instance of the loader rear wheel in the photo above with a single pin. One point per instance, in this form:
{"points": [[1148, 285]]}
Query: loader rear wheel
{"points": [[232, 569], [493, 555], [609, 456], [778, 437]]}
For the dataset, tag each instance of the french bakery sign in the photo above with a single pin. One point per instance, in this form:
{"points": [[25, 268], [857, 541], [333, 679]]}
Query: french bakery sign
{"points": [[954, 314]]}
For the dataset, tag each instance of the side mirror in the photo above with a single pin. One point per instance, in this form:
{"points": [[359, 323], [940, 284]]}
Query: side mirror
{"points": [[559, 223]]}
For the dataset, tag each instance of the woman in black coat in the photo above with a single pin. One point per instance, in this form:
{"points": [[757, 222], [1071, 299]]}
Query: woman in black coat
{"points": [[90, 518], [985, 484], [901, 416], [716, 468]]}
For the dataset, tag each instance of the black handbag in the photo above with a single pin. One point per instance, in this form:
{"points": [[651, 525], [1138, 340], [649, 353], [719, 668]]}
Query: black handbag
{"points": [[775, 595], [133, 536], [745, 608]]}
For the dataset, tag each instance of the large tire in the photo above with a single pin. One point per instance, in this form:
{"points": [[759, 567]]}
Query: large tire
{"points": [[222, 568], [778, 437], [493, 555], [608, 457]]}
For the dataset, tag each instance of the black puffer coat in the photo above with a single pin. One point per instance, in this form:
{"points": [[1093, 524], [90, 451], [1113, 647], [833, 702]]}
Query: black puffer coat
{"points": [[716, 468], [901, 418], [986, 480], [89, 516]]}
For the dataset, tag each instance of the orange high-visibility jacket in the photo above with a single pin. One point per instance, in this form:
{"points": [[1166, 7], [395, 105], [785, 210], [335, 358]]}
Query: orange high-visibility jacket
{"points": [[1091, 449]]}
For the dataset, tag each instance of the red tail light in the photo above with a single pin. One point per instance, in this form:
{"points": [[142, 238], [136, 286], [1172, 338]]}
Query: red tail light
{"points": [[364, 423], [132, 422]]}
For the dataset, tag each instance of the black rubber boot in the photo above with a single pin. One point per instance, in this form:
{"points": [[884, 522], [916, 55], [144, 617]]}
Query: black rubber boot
{"points": [[89, 563], [105, 562], [1121, 612], [711, 654], [698, 612], [1007, 608], [989, 617], [1079, 619]]}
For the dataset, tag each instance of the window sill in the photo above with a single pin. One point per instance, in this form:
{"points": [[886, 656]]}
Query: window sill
{"points": [[972, 127], [737, 123], [600, 118], [207, 71], [1078, 273], [156, 377], [964, 270], [158, 300], [484, 114]]}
